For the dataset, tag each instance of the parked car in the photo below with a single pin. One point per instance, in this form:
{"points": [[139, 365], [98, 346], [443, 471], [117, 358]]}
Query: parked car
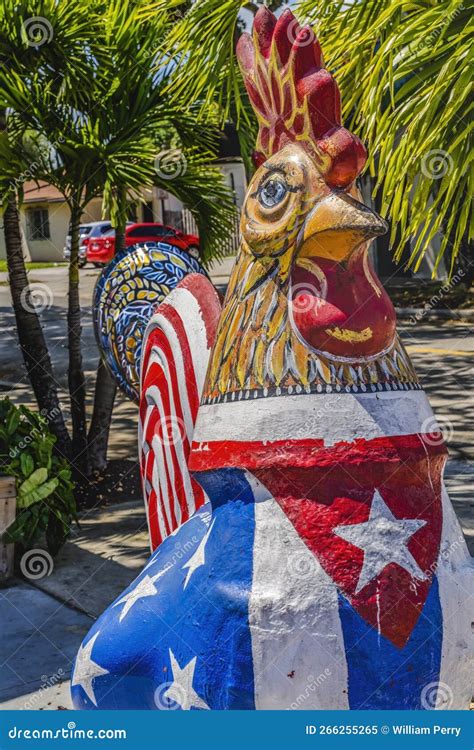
{"points": [[86, 233], [101, 250]]}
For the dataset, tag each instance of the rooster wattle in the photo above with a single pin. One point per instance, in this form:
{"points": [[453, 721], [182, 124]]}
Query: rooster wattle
{"points": [[307, 552]]}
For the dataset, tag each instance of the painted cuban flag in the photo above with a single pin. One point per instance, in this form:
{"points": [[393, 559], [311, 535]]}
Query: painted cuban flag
{"points": [[247, 606]]}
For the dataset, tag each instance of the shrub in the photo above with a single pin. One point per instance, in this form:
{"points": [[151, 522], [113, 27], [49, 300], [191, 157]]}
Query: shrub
{"points": [[45, 499]]}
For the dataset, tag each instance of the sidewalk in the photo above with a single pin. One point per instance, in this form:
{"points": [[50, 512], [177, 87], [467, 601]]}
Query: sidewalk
{"points": [[43, 622]]}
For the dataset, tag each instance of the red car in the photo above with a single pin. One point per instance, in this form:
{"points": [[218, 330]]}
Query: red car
{"points": [[101, 250]]}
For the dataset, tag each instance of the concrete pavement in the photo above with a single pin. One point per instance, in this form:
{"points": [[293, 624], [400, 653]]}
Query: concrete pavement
{"points": [[40, 637], [43, 620]]}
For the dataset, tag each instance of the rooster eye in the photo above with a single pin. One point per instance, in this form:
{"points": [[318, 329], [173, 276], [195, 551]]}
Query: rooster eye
{"points": [[272, 193]]}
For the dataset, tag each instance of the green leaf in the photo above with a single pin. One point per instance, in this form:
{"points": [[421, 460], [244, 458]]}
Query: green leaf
{"points": [[44, 492], [27, 464], [37, 478], [44, 449], [13, 421], [39, 493]]}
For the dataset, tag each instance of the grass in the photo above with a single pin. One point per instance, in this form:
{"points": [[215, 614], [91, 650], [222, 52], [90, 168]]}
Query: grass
{"points": [[32, 266]]}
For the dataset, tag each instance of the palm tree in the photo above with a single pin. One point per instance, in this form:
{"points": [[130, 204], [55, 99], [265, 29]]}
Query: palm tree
{"points": [[31, 337], [102, 114], [404, 71], [27, 27]]}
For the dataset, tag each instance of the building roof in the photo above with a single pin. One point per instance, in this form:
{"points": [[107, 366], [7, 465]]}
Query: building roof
{"points": [[44, 193]]}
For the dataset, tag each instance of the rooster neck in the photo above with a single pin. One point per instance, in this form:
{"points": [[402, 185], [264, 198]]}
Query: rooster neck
{"points": [[258, 352]]}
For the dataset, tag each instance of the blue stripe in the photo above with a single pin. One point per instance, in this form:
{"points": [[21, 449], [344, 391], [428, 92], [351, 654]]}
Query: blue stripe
{"points": [[382, 676], [204, 619], [225, 486], [223, 593]]}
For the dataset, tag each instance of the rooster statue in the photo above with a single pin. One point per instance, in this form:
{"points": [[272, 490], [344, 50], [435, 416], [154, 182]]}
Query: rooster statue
{"points": [[306, 554]]}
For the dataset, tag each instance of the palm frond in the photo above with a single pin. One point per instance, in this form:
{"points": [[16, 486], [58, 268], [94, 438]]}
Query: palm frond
{"points": [[403, 69]]}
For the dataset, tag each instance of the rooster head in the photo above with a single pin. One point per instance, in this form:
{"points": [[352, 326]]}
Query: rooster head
{"points": [[304, 306]]}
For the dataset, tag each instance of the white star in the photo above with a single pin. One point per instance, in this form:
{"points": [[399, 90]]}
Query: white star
{"points": [[181, 690], [86, 670], [199, 557], [146, 587], [383, 538]]}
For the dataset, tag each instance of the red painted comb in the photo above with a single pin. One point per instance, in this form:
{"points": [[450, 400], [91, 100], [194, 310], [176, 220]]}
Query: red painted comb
{"points": [[295, 98]]}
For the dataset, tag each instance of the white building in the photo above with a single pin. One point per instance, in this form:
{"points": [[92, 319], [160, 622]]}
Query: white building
{"points": [[45, 214]]}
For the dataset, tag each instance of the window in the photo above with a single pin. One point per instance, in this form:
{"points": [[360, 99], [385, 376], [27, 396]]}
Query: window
{"points": [[148, 212], [136, 232], [38, 224], [100, 229], [150, 231], [161, 232]]}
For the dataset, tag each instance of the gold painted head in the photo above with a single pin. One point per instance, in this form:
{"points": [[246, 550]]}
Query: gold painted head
{"points": [[304, 309]]}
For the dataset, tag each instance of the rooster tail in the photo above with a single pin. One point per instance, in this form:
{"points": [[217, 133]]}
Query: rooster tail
{"points": [[126, 295]]}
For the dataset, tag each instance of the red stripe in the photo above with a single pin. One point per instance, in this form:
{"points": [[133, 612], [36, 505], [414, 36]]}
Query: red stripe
{"points": [[155, 534], [311, 452], [154, 375], [155, 428], [189, 373], [164, 346], [208, 302], [154, 417]]}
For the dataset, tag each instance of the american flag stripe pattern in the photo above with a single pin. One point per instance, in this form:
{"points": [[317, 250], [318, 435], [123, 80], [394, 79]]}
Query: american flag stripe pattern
{"points": [[175, 355]]}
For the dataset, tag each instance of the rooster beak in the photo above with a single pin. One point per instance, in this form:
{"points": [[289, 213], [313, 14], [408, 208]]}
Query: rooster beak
{"points": [[336, 226]]}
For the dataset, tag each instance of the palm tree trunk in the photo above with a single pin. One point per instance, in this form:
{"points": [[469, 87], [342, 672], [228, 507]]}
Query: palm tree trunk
{"points": [[76, 379], [105, 388], [30, 333], [98, 437]]}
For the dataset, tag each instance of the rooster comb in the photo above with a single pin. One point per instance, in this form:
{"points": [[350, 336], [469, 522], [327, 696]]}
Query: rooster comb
{"points": [[295, 98]]}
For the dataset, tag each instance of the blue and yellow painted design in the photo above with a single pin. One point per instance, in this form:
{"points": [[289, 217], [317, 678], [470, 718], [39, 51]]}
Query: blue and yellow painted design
{"points": [[125, 297]]}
